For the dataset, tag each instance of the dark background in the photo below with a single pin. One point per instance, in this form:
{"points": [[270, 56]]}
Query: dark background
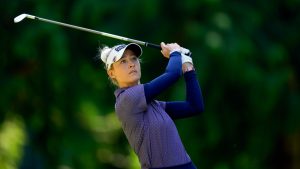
{"points": [[57, 104]]}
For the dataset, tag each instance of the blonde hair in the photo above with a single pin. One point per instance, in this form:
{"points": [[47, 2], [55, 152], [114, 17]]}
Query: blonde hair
{"points": [[103, 55]]}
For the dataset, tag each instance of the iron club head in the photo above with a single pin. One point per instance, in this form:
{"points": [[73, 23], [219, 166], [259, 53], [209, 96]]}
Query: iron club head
{"points": [[23, 16], [20, 18]]}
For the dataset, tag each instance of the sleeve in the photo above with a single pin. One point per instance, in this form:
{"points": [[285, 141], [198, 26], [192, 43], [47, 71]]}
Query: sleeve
{"points": [[193, 104], [162, 82], [131, 102]]}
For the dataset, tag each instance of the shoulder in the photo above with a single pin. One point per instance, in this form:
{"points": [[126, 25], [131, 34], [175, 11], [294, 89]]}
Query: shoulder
{"points": [[130, 93], [131, 99]]}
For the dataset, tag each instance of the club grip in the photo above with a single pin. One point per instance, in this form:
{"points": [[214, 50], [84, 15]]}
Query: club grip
{"points": [[152, 45]]}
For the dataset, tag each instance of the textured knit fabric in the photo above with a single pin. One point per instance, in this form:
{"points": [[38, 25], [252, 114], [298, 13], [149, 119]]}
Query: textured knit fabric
{"points": [[181, 109], [149, 129]]}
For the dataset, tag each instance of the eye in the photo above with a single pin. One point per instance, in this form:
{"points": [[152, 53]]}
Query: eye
{"points": [[123, 61], [134, 58]]}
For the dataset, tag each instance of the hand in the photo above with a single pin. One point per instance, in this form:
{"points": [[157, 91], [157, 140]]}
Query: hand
{"points": [[166, 49], [185, 51], [185, 58]]}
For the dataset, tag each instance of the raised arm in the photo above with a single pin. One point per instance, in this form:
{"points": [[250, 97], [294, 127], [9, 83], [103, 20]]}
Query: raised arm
{"points": [[193, 104], [171, 74]]}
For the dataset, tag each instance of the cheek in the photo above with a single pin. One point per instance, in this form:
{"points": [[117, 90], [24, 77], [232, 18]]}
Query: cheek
{"points": [[120, 73]]}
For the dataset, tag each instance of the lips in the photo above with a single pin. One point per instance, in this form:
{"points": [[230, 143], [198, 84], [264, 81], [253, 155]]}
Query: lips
{"points": [[133, 71]]}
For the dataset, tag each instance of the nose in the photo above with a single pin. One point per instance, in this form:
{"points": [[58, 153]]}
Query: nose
{"points": [[131, 64]]}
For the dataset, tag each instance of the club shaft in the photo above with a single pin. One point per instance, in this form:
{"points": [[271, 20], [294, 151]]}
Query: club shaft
{"points": [[99, 33]]}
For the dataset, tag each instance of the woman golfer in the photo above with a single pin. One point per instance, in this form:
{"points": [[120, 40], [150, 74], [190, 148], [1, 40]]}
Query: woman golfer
{"points": [[148, 123]]}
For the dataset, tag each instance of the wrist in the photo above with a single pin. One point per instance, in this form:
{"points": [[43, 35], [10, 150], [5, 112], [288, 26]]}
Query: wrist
{"points": [[186, 67]]}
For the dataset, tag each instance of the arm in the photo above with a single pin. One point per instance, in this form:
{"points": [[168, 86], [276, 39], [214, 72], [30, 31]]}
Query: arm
{"points": [[193, 104], [170, 76]]}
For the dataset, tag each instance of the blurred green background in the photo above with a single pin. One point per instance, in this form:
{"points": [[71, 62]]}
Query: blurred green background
{"points": [[57, 104]]}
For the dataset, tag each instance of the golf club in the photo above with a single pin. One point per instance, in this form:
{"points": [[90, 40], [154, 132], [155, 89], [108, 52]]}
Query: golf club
{"points": [[147, 44], [23, 16]]}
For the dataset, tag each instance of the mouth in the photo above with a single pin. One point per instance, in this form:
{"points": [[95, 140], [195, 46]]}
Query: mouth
{"points": [[132, 72]]}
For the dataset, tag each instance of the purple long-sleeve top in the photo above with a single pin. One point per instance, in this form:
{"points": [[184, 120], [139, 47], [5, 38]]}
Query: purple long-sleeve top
{"points": [[148, 124]]}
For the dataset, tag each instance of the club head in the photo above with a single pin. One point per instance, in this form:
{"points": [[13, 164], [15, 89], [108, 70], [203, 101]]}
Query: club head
{"points": [[20, 18]]}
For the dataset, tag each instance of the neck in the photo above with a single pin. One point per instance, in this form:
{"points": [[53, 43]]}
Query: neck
{"points": [[128, 85]]}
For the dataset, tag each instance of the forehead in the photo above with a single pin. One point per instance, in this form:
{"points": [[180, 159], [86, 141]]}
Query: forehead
{"points": [[127, 53]]}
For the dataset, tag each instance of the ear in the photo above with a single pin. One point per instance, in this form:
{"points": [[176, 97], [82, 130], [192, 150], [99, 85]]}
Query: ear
{"points": [[111, 73]]}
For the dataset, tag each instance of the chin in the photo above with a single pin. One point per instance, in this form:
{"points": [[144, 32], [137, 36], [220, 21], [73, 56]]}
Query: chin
{"points": [[135, 81]]}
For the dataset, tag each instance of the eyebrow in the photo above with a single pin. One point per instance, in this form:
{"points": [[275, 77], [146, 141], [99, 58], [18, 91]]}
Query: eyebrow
{"points": [[129, 56]]}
